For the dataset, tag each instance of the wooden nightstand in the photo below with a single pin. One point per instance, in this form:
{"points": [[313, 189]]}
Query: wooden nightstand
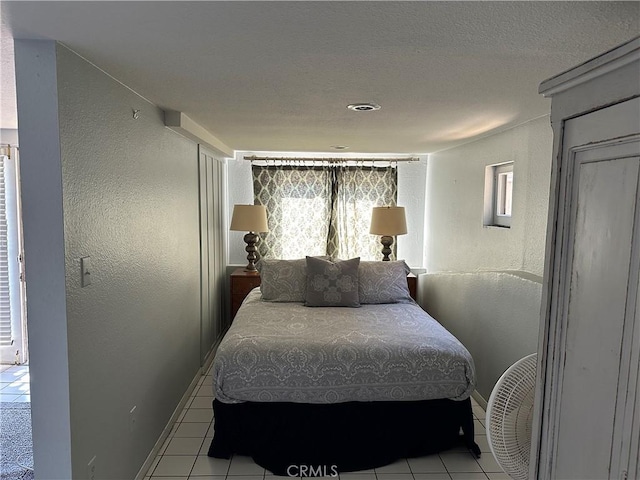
{"points": [[412, 282], [242, 282]]}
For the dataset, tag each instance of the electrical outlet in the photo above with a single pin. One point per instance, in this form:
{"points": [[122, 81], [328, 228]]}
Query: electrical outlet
{"points": [[133, 419], [91, 468]]}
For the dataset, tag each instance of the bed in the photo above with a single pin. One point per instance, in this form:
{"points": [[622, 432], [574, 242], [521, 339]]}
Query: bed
{"points": [[334, 389]]}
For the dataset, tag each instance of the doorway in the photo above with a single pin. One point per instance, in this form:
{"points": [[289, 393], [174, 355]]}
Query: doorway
{"points": [[13, 324]]}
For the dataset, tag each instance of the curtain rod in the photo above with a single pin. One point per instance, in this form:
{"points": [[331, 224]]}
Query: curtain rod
{"points": [[330, 160]]}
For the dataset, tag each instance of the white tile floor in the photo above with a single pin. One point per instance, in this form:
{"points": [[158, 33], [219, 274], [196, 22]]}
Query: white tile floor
{"points": [[14, 383], [184, 454]]}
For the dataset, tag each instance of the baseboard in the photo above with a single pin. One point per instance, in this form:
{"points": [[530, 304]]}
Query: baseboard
{"points": [[208, 360], [480, 399], [167, 429]]}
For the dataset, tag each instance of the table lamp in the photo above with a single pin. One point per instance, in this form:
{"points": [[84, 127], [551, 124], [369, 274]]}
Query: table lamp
{"points": [[388, 222], [252, 219]]}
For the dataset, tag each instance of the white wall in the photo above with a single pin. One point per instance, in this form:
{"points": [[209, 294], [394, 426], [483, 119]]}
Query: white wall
{"points": [[125, 193], [457, 241], [460, 251], [411, 195], [43, 226], [239, 191], [412, 178], [494, 314]]}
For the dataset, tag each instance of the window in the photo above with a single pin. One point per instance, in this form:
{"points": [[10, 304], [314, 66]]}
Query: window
{"points": [[498, 195], [322, 210]]}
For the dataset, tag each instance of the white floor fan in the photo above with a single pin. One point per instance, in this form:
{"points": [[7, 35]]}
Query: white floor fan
{"points": [[509, 417]]}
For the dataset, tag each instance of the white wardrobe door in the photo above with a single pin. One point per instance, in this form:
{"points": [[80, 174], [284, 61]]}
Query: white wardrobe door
{"points": [[598, 266], [603, 231]]}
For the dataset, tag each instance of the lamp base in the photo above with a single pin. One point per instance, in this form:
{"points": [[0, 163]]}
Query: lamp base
{"points": [[251, 239], [386, 241]]}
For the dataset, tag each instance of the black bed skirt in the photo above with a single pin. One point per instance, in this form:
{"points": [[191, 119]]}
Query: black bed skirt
{"points": [[291, 438]]}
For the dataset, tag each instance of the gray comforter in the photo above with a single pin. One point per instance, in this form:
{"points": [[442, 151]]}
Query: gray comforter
{"points": [[286, 352]]}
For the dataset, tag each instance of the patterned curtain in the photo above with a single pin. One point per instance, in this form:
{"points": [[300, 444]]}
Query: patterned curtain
{"points": [[359, 189], [322, 210], [298, 201]]}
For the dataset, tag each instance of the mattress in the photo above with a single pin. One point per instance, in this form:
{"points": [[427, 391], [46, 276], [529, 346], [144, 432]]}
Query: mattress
{"points": [[286, 352]]}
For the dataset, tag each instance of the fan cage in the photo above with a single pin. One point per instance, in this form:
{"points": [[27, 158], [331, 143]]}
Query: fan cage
{"points": [[509, 417]]}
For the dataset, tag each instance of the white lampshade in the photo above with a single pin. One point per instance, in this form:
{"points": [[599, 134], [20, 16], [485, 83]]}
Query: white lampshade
{"points": [[388, 221], [249, 218]]}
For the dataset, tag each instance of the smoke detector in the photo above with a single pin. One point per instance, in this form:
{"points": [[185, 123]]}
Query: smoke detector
{"points": [[363, 107], [339, 147]]}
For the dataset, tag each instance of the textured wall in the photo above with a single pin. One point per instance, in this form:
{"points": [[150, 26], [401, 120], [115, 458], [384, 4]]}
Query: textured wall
{"points": [[411, 195], [456, 239], [484, 283], [130, 202], [494, 314], [239, 191], [412, 179]]}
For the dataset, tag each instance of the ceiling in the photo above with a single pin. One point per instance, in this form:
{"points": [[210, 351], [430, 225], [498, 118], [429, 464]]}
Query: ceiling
{"points": [[277, 76]]}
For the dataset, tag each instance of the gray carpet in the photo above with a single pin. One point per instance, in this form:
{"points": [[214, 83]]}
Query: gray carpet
{"points": [[15, 441]]}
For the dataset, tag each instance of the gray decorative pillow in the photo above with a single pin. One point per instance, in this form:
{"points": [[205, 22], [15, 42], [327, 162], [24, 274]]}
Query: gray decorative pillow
{"points": [[283, 280], [384, 282], [332, 284]]}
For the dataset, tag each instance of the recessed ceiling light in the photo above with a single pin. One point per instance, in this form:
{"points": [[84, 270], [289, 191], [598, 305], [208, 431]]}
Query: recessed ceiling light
{"points": [[339, 147], [363, 107]]}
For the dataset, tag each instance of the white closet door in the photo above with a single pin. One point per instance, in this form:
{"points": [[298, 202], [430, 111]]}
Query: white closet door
{"points": [[629, 425], [605, 198], [596, 367], [211, 178], [587, 410]]}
